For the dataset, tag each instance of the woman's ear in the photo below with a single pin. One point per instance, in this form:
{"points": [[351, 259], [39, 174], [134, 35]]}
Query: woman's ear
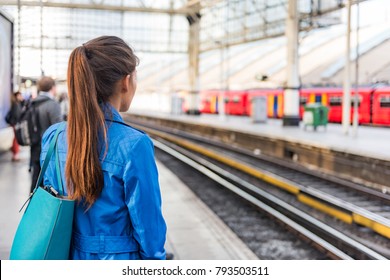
{"points": [[125, 84]]}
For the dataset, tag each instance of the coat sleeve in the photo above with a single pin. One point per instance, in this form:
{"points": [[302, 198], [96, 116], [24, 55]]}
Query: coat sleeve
{"points": [[143, 200]]}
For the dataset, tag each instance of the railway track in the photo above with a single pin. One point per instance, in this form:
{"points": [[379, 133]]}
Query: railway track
{"points": [[222, 162]]}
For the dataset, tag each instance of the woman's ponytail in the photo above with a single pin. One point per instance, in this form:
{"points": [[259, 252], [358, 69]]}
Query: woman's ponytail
{"points": [[84, 176], [94, 71]]}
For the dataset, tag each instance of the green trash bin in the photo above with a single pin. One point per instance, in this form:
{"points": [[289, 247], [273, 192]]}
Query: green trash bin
{"points": [[315, 114]]}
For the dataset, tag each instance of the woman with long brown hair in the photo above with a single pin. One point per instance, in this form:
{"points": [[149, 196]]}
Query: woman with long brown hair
{"points": [[108, 166]]}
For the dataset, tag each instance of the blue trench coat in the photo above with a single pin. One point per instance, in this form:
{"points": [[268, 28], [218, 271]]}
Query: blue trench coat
{"points": [[125, 222]]}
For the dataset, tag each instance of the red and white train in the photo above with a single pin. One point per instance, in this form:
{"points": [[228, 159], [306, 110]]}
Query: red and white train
{"points": [[373, 104]]}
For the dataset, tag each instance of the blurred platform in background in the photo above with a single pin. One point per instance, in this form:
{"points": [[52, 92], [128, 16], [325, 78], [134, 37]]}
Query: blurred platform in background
{"points": [[194, 231], [363, 158], [369, 141]]}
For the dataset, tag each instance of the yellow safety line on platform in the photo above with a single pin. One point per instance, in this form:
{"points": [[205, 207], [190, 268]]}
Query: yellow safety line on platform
{"points": [[341, 215], [378, 227], [233, 163]]}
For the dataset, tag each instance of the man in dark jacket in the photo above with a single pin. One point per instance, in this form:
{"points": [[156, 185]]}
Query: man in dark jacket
{"points": [[49, 112]]}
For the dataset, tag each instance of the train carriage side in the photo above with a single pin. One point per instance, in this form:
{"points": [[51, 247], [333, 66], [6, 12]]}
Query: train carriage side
{"points": [[381, 106], [237, 102], [226, 97], [364, 105], [335, 101], [209, 101]]}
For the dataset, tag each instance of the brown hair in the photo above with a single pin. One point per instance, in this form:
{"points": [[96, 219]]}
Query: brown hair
{"points": [[46, 84], [14, 97], [93, 72]]}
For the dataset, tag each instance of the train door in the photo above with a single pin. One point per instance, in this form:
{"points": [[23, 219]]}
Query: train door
{"points": [[250, 95], [243, 102], [364, 105], [335, 105], [205, 100], [303, 100], [381, 106]]}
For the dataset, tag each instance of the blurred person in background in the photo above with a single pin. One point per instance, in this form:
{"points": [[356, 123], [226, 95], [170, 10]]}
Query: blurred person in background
{"points": [[12, 118], [64, 104], [49, 112]]}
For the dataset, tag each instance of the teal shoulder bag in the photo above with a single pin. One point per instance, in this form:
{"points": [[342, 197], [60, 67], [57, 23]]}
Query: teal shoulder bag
{"points": [[45, 230]]}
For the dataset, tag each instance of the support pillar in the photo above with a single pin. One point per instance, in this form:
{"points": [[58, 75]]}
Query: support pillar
{"points": [[291, 92], [346, 117], [193, 56]]}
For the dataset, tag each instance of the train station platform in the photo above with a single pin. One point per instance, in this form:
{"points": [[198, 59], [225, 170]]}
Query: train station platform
{"points": [[369, 141], [327, 149], [194, 231]]}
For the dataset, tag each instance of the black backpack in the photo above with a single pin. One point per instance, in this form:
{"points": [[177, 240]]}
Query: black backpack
{"points": [[27, 128], [13, 114]]}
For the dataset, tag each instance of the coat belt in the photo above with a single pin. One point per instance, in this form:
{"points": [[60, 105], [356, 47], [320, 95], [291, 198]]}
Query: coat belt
{"points": [[104, 243]]}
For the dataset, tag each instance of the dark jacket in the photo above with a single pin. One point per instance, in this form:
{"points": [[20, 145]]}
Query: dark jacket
{"points": [[49, 112], [14, 113]]}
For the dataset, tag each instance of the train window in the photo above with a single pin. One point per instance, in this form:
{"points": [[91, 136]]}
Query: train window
{"points": [[353, 100], [384, 101], [303, 100], [335, 101], [353, 103], [236, 99]]}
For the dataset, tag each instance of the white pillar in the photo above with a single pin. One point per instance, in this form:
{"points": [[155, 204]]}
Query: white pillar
{"points": [[346, 117], [41, 38], [19, 79], [355, 122], [291, 93], [221, 95]]}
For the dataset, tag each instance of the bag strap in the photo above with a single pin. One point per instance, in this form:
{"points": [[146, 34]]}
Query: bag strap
{"points": [[122, 123], [52, 146], [125, 124], [58, 173]]}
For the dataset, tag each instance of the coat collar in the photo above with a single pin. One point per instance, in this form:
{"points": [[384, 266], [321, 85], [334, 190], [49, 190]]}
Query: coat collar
{"points": [[110, 113]]}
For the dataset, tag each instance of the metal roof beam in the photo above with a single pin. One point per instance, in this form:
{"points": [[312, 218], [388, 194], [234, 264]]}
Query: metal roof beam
{"points": [[143, 9], [266, 30]]}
